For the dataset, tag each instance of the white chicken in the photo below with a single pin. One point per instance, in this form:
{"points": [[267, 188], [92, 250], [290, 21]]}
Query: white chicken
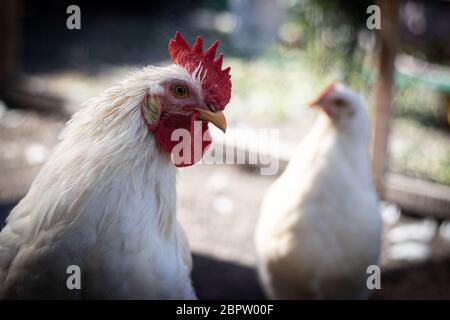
{"points": [[105, 202], [319, 227]]}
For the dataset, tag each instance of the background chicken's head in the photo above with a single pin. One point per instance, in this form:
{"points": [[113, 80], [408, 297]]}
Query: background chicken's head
{"points": [[344, 107]]}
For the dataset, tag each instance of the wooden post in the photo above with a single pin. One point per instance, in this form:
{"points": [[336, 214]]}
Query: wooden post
{"points": [[9, 35], [387, 45], [15, 89]]}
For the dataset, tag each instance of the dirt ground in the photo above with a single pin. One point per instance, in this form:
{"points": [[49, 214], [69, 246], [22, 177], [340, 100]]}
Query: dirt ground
{"points": [[218, 208]]}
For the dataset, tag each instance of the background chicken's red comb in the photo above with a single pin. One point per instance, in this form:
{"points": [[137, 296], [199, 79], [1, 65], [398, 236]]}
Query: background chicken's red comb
{"points": [[329, 88], [216, 82]]}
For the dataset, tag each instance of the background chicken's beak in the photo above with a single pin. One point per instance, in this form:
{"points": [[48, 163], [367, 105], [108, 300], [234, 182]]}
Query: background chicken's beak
{"points": [[315, 103], [216, 118]]}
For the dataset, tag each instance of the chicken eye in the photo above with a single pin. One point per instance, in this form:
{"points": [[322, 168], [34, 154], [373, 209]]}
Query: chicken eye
{"points": [[339, 102], [179, 90]]}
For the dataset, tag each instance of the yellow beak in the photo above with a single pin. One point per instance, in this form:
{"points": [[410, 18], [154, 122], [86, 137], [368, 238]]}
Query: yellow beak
{"points": [[216, 118]]}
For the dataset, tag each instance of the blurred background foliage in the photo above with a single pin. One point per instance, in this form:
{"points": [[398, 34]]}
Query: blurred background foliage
{"points": [[281, 53]]}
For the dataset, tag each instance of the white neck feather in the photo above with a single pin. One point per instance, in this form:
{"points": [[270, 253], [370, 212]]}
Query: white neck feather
{"points": [[108, 170], [352, 142]]}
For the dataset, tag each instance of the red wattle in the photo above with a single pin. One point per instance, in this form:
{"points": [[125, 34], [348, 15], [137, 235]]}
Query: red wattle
{"points": [[194, 139]]}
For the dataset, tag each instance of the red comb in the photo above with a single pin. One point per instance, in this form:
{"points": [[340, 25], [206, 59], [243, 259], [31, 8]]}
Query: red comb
{"points": [[217, 82], [329, 88]]}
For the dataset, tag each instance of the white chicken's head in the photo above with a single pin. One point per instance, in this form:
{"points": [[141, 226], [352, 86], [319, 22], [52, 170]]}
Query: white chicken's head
{"points": [[344, 107], [187, 95]]}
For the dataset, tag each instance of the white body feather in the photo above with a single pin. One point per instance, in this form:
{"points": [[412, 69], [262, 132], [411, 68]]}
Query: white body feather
{"points": [[106, 202], [319, 227]]}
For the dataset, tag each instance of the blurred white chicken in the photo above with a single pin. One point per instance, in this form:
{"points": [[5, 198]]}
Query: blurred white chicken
{"points": [[320, 227]]}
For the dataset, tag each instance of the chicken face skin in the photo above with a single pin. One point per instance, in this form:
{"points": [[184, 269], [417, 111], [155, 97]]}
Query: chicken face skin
{"points": [[179, 103]]}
